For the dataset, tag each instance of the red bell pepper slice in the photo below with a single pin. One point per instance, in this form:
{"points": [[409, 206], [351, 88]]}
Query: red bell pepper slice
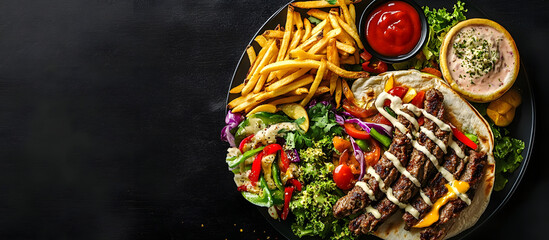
{"points": [[366, 56], [256, 168], [396, 91], [294, 182], [375, 67], [284, 162], [462, 138], [287, 197], [418, 99], [353, 131], [243, 143]]}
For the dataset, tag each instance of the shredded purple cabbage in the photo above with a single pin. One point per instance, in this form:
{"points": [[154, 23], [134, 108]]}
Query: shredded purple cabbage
{"points": [[293, 155], [232, 120], [359, 155], [382, 128]]}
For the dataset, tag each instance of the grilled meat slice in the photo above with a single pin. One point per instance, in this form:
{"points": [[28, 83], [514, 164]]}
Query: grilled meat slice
{"points": [[357, 199], [473, 174], [420, 166], [435, 188]]}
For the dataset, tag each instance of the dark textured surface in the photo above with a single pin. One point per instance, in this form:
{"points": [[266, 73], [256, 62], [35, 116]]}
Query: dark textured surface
{"points": [[111, 111]]}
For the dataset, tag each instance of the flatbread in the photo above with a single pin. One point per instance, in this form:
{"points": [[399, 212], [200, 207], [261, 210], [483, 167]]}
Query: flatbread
{"points": [[462, 115]]}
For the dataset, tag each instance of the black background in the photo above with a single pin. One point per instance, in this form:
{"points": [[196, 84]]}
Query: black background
{"points": [[110, 113]]}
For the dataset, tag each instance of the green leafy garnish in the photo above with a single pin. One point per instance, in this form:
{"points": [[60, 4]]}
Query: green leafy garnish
{"points": [[507, 153], [331, 2]]}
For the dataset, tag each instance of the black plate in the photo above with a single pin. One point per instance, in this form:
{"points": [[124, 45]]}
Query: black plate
{"points": [[523, 126]]}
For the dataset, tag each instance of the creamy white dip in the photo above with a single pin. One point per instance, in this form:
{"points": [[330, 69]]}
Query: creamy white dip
{"points": [[480, 59]]}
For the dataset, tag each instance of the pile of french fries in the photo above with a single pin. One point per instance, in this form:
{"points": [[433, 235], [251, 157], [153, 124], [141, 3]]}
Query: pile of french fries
{"points": [[300, 60]]}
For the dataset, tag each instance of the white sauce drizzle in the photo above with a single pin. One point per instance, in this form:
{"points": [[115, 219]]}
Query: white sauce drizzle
{"points": [[456, 148], [426, 199], [366, 189], [373, 211]]}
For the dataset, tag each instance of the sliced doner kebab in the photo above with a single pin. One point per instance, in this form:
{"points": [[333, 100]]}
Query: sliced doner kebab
{"points": [[472, 176], [368, 190], [455, 162], [427, 153]]}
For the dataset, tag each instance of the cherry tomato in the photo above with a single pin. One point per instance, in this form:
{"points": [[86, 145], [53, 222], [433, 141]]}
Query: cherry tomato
{"points": [[355, 132], [343, 177], [418, 99], [357, 111]]}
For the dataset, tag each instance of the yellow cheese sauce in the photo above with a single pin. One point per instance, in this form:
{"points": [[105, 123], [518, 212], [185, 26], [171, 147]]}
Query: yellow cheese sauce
{"points": [[433, 215]]}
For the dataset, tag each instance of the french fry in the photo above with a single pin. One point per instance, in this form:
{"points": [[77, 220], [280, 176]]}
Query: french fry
{"points": [[321, 90], [348, 60], [318, 28], [338, 92], [251, 54], [300, 54], [274, 34], [286, 80], [322, 43], [287, 34], [261, 40], [346, 74], [307, 79], [256, 75], [297, 20], [319, 4], [288, 64], [308, 28], [250, 102], [347, 91], [318, 13], [260, 57], [295, 41], [309, 63], [237, 89], [346, 14], [333, 20], [333, 57], [240, 100], [299, 91], [351, 32], [263, 77], [309, 42], [352, 11], [345, 47], [289, 99], [316, 82]]}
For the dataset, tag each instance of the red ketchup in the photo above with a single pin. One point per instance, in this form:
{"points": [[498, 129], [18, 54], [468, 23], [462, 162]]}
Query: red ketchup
{"points": [[393, 28]]}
